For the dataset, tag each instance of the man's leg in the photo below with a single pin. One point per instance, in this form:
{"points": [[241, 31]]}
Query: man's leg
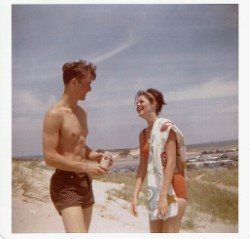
{"points": [[87, 212], [76, 219]]}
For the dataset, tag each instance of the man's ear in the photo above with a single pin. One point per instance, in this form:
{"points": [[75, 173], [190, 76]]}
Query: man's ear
{"points": [[74, 81]]}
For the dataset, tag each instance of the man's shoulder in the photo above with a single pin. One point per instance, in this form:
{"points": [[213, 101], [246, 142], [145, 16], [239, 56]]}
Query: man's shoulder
{"points": [[55, 111], [81, 110]]}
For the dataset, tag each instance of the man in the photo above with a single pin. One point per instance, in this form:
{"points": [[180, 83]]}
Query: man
{"points": [[64, 143]]}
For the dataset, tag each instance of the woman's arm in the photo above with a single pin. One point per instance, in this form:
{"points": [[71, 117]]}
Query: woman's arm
{"points": [[170, 150], [140, 176]]}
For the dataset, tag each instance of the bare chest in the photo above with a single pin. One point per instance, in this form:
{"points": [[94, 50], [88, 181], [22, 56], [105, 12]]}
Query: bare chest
{"points": [[73, 128]]}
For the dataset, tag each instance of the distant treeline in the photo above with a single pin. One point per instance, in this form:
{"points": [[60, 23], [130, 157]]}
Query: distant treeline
{"points": [[217, 151], [213, 144], [126, 151]]}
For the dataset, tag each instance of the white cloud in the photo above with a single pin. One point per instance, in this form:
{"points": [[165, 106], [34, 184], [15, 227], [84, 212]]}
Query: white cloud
{"points": [[114, 51], [214, 89], [25, 102]]}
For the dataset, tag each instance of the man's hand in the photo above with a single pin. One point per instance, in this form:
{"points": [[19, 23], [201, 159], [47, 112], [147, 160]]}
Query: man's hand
{"points": [[95, 156], [95, 169]]}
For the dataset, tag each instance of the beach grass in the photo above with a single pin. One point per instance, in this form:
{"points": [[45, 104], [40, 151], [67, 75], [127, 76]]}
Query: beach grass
{"points": [[128, 182], [226, 177], [207, 193], [218, 202], [211, 192]]}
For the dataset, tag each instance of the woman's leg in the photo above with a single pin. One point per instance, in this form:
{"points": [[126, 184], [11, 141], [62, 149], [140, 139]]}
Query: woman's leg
{"points": [[155, 226], [173, 224], [76, 219]]}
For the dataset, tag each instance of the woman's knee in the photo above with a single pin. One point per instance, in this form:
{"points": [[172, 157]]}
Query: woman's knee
{"points": [[173, 224], [182, 203], [155, 226]]}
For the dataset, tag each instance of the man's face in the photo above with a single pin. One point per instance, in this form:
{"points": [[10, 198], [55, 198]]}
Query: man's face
{"points": [[84, 85]]}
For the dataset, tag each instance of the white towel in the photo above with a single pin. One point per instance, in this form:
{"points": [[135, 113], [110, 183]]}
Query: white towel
{"points": [[159, 136]]}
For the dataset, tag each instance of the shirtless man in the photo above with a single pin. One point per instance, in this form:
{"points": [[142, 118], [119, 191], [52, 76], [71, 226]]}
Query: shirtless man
{"points": [[64, 143]]}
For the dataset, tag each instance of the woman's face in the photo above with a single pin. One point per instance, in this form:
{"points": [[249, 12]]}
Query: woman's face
{"points": [[143, 106]]}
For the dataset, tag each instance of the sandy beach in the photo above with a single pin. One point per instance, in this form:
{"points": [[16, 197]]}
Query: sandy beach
{"points": [[109, 216], [33, 212]]}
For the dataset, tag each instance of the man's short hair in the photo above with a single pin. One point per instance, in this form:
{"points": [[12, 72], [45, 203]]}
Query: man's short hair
{"points": [[77, 69]]}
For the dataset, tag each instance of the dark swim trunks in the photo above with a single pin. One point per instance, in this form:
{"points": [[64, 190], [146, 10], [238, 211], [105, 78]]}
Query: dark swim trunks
{"points": [[68, 189]]}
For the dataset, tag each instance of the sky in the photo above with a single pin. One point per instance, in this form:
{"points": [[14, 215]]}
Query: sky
{"points": [[187, 51]]}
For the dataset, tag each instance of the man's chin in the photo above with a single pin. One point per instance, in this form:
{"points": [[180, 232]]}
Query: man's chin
{"points": [[83, 97]]}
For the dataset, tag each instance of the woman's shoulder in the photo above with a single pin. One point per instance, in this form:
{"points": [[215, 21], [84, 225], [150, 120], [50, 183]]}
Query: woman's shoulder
{"points": [[142, 135], [143, 132], [165, 120]]}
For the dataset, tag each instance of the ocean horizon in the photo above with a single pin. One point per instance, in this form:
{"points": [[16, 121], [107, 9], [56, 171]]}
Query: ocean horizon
{"points": [[209, 145]]}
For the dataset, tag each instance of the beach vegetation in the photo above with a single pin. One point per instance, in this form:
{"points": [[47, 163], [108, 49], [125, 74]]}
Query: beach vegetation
{"points": [[208, 193]]}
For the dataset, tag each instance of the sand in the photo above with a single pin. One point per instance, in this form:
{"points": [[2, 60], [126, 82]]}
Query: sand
{"points": [[33, 211], [30, 215]]}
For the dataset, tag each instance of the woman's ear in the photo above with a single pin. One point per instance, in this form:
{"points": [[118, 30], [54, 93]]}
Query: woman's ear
{"points": [[154, 105]]}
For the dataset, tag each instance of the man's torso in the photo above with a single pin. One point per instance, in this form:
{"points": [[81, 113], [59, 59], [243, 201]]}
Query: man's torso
{"points": [[73, 133]]}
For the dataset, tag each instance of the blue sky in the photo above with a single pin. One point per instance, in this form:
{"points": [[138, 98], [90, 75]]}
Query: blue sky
{"points": [[189, 52]]}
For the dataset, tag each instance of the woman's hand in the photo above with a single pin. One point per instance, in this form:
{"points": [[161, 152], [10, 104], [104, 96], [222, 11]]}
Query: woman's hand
{"points": [[133, 207], [162, 206]]}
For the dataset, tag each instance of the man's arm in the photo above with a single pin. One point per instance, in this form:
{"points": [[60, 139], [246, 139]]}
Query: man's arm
{"points": [[90, 154], [51, 129], [93, 155]]}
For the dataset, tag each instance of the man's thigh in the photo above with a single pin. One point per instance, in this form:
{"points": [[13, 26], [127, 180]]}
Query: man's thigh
{"points": [[76, 219]]}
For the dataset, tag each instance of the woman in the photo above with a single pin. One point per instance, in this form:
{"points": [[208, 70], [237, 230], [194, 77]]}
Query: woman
{"points": [[148, 105]]}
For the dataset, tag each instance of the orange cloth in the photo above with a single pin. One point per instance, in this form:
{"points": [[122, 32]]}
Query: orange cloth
{"points": [[145, 145], [179, 185], [178, 181]]}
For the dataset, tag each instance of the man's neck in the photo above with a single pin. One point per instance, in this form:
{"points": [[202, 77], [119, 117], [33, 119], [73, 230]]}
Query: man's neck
{"points": [[68, 101]]}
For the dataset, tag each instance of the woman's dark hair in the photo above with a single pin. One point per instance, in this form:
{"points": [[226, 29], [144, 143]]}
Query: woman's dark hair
{"points": [[153, 95], [77, 69]]}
